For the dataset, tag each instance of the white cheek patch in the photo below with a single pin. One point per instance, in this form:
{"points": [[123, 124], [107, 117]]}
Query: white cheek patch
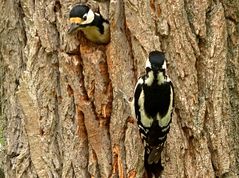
{"points": [[90, 17], [148, 64], [164, 65]]}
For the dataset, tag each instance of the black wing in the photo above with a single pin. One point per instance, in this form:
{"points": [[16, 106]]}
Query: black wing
{"points": [[137, 93], [98, 21]]}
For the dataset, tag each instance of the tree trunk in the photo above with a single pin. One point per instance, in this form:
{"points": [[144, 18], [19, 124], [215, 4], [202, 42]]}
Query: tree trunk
{"points": [[63, 97]]}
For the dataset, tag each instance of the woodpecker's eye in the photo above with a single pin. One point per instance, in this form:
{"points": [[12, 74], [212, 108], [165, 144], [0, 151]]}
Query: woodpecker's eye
{"points": [[85, 17]]}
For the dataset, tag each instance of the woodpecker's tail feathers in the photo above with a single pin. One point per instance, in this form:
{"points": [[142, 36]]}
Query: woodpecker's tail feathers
{"points": [[155, 154], [152, 162]]}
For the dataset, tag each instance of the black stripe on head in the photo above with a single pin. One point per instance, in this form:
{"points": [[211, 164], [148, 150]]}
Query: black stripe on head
{"points": [[79, 11]]}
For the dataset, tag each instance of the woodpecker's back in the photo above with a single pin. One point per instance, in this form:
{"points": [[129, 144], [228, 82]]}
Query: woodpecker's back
{"points": [[153, 106]]}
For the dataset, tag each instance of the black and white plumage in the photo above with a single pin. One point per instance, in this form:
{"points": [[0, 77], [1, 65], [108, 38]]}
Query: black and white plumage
{"points": [[153, 106], [92, 24]]}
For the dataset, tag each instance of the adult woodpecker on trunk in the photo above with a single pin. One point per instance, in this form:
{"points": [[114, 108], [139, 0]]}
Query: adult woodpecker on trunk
{"points": [[153, 105]]}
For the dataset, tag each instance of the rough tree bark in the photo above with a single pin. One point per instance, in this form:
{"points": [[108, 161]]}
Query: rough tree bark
{"points": [[62, 95]]}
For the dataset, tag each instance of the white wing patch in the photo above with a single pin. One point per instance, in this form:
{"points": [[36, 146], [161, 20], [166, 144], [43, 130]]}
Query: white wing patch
{"points": [[142, 128], [145, 120], [132, 103]]}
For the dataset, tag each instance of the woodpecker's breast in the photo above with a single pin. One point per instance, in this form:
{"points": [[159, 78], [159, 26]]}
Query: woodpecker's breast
{"points": [[93, 33]]}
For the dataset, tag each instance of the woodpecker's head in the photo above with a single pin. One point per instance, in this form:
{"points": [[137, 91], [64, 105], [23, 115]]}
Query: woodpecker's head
{"points": [[80, 17], [156, 62]]}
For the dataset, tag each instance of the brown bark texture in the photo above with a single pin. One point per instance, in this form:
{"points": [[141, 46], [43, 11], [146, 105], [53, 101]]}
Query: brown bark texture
{"points": [[63, 98]]}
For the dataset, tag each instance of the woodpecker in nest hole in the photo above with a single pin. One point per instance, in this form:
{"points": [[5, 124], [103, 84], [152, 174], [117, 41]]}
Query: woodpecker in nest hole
{"points": [[92, 24]]}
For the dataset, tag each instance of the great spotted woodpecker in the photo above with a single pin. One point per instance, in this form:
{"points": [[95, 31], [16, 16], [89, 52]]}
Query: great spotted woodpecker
{"points": [[153, 103]]}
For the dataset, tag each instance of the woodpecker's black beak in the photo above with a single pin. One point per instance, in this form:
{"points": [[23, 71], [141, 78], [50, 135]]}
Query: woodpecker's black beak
{"points": [[73, 28]]}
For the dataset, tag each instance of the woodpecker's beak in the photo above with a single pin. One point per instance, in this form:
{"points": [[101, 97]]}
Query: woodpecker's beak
{"points": [[75, 24], [73, 28]]}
